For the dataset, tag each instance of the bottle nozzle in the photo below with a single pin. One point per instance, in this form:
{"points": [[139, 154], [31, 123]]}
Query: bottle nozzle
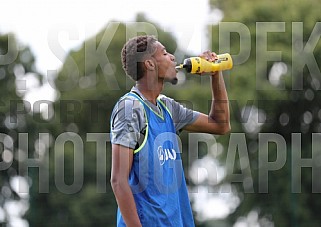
{"points": [[180, 66]]}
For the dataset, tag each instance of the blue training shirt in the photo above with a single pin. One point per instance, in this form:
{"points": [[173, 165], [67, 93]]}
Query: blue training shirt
{"points": [[157, 177]]}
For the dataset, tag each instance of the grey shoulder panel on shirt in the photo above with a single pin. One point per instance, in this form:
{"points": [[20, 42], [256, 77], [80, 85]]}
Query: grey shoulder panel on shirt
{"points": [[127, 122]]}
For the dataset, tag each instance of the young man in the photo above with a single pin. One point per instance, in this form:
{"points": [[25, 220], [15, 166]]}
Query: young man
{"points": [[147, 175]]}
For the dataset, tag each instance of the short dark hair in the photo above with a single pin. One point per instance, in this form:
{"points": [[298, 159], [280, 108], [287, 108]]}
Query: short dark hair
{"points": [[134, 53]]}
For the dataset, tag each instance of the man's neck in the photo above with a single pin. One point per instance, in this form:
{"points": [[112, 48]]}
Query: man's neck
{"points": [[150, 91]]}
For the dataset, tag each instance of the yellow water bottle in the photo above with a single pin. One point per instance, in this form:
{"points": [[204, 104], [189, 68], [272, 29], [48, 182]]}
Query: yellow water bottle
{"points": [[200, 65]]}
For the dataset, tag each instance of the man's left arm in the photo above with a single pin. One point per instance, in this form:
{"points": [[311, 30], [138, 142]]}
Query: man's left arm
{"points": [[218, 119]]}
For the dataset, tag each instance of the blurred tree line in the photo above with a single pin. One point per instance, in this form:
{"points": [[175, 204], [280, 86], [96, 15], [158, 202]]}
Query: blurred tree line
{"points": [[16, 67], [68, 150], [278, 96]]}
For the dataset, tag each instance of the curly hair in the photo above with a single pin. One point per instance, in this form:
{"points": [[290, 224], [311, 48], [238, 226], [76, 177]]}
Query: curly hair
{"points": [[134, 53]]}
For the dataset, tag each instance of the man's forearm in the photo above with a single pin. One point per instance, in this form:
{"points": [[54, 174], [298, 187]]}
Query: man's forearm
{"points": [[126, 203], [220, 104]]}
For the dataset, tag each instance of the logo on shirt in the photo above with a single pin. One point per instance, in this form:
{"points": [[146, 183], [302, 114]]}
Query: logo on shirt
{"points": [[165, 154]]}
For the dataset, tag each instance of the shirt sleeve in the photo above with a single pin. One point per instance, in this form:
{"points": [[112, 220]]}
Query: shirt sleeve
{"points": [[127, 123], [181, 114]]}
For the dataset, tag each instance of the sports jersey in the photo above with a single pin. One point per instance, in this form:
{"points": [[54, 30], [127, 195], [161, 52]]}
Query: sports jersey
{"points": [[157, 177]]}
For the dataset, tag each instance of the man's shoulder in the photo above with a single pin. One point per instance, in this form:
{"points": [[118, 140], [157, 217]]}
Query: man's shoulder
{"points": [[126, 106], [165, 99], [129, 101]]}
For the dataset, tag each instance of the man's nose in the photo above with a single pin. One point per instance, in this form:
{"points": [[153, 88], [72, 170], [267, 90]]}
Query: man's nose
{"points": [[172, 57]]}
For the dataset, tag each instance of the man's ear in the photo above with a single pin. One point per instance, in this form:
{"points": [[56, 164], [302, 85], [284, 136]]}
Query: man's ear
{"points": [[149, 64]]}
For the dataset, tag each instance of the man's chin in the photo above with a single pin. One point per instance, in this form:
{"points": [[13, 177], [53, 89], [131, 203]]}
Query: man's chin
{"points": [[172, 81]]}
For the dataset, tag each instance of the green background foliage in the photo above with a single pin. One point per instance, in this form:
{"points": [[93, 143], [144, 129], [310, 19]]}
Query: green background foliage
{"points": [[92, 80]]}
